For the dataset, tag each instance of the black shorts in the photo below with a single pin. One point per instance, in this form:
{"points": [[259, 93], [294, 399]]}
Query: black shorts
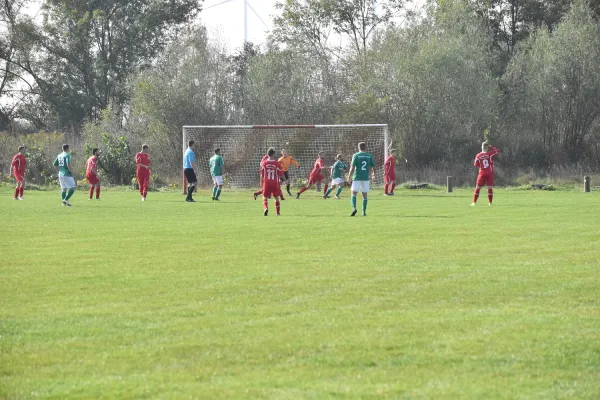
{"points": [[285, 176], [190, 175]]}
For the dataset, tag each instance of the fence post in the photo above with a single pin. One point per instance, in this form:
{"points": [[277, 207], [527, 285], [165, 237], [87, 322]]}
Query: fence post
{"points": [[449, 183], [586, 184]]}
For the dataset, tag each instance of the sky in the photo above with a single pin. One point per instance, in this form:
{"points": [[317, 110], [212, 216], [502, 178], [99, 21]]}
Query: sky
{"points": [[226, 21]]}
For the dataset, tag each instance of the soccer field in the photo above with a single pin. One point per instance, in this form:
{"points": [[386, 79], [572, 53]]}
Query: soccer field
{"points": [[425, 298]]}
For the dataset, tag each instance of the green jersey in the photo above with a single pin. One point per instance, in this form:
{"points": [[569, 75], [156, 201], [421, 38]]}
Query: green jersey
{"points": [[337, 169], [216, 165], [362, 163], [63, 162]]}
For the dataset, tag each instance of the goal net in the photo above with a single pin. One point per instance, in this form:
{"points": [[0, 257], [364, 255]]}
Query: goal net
{"points": [[243, 147]]}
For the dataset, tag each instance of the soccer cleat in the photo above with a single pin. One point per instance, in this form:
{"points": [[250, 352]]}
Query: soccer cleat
{"points": [[289, 193], [278, 214], [472, 204], [391, 194], [266, 212], [190, 200], [213, 198], [143, 199], [338, 197], [15, 198], [386, 194], [255, 196], [90, 199], [282, 199], [66, 203], [490, 204], [353, 213], [364, 214], [20, 198], [297, 196]]}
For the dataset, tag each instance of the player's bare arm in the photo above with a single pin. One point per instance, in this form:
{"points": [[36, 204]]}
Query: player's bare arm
{"points": [[350, 172]]}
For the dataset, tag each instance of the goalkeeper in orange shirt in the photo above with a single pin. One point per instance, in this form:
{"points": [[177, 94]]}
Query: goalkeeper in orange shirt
{"points": [[286, 161]]}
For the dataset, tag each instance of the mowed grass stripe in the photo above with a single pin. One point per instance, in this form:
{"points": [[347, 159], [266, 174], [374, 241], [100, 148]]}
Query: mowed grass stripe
{"points": [[424, 298]]}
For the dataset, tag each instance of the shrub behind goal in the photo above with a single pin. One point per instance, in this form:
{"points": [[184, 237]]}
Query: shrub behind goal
{"points": [[242, 148]]}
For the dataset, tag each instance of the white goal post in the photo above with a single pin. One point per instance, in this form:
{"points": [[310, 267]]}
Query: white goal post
{"points": [[243, 147]]}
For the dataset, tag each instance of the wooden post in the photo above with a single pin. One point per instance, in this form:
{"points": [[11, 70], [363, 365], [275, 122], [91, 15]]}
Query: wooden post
{"points": [[449, 183], [586, 184]]}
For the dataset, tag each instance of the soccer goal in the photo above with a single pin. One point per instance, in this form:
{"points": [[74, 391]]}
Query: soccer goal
{"points": [[243, 147]]}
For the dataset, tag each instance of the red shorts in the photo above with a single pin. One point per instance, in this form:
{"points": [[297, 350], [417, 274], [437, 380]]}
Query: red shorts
{"points": [[142, 177], [485, 179], [389, 178], [92, 179], [271, 190], [19, 176], [312, 179]]}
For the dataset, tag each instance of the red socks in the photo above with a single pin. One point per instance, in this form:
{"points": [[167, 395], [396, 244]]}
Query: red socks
{"points": [[97, 192], [385, 188], [277, 203], [490, 195], [91, 192], [17, 191], [393, 187], [476, 195], [265, 203], [304, 189], [324, 190]]}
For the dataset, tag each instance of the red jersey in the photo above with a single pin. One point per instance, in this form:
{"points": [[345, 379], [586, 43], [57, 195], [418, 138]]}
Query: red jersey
{"points": [[18, 163], [390, 166], [142, 158], [271, 170], [91, 164], [318, 167], [485, 161]]}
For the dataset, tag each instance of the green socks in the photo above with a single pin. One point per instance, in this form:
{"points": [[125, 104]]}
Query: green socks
{"points": [[63, 194], [214, 193], [69, 193], [328, 192], [339, 191], [218, 193], [364, 206], [353, 200]]}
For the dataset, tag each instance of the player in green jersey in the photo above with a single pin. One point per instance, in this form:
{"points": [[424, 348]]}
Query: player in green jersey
{"points": [[336, 177], [217, 168], [65, 176], [361, 167]]}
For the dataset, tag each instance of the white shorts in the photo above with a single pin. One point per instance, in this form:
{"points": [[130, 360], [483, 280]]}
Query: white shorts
{"points": [[217, 180], [336, 181], [361, 186], [66, 182]]}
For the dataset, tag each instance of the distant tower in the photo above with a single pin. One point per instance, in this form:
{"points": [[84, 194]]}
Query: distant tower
{"points": [[246, 6]]}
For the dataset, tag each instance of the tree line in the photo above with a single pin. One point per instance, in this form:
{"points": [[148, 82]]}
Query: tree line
{"points": [[524, 74]]}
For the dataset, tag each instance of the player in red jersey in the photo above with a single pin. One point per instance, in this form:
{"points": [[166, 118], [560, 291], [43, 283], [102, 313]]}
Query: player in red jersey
{"points": [[270, 172], [389, 177], [143, 172], [17, 168], [485, 162], [256, 194], [315, 176], [91, 173]]}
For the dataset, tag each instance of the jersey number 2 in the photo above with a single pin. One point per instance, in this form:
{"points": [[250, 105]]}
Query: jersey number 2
{"points": [[364, 166]]}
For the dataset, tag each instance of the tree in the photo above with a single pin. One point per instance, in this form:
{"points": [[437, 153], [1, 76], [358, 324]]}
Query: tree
{"points": [[85, 53], [554, 90]]}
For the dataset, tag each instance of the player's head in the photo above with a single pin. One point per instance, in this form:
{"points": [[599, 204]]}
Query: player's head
{"points": [[145, 148], [217, 151], [362, 146], [485, 146], [338, 157], [65, 148], [393, 153], [284, 152], [22, 149], [95, 151], [191, 143], [271, 152], [320, 155]]}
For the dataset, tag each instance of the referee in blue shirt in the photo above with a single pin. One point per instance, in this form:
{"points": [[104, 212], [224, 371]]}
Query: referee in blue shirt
{"points": [[189, 166]]}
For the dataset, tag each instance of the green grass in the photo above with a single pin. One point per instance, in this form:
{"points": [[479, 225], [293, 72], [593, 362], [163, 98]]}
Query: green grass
{"points": [[426, 298]]}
